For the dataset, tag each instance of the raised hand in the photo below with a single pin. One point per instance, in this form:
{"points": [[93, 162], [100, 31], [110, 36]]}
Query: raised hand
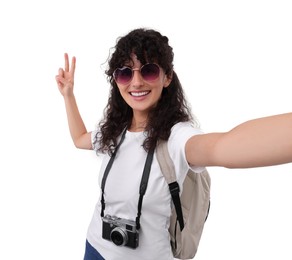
{"points": [[65, 78]]}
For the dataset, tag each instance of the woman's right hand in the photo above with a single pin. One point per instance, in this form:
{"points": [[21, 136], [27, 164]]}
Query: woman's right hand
{"points": [[65, 78]]}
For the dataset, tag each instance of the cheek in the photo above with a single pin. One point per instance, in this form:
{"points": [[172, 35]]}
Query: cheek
{"points": [[122, 89], [158, 92]]}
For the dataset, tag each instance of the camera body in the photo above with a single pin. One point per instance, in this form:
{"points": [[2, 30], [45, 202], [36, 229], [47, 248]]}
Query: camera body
{"points": [[121, 232]]}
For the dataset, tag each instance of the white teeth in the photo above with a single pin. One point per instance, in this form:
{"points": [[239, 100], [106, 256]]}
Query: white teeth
{"points": [[139, 94]]}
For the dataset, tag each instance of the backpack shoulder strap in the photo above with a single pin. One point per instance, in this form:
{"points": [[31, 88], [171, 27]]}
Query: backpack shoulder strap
{"points": [[165, 162], [168, 170]]}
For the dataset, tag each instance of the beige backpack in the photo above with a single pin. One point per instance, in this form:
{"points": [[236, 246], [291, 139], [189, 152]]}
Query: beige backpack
{"points": [[191, 207]]}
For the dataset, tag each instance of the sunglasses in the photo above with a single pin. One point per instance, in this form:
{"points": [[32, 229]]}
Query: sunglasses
{"points": [[149, 72]]}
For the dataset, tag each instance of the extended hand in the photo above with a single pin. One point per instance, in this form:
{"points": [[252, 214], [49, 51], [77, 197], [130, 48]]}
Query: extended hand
{"points": [[65, 78]]}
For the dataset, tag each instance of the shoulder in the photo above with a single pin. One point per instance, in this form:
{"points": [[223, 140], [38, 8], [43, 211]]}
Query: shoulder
{"points": [[180, 134], [182, 131]]}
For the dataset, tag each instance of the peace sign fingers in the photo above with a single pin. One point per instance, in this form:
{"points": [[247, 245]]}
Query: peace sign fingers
{"points": [[65, 77]]}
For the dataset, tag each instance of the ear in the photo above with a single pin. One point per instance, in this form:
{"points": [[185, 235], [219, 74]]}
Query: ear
{"points": [[167, 80]]}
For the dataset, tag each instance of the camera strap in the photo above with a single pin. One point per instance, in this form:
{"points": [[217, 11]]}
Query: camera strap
{"points": [[106, 172], [143, 184]]}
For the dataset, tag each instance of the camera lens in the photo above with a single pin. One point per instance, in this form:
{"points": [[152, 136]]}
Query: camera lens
{"points": [[119, 236]]}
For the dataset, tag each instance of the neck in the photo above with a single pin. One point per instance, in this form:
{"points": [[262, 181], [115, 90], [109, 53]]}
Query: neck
{"points": [[138, 124]]}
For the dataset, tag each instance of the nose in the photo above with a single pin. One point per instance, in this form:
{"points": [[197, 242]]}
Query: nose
{"points": [[137, 79]]}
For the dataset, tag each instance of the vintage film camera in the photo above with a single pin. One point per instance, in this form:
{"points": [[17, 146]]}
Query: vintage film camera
{"points": [[121, 232]]}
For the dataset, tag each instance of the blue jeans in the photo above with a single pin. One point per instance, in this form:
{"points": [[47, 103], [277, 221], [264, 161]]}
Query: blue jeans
{"points": [[91, 253]]}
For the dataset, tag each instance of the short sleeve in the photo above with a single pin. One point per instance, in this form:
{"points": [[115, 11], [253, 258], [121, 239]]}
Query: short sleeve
{"points": [[180, 134]]}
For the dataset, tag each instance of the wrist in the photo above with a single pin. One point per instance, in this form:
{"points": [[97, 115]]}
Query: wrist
{"points": [[68, 96]]}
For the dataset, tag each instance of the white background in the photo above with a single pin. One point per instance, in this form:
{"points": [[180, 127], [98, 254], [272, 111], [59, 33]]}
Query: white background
{"points": [[234, 59]]}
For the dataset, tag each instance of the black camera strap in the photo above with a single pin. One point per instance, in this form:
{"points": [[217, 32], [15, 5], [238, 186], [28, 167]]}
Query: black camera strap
{"points": [[106, 172], [143, 184]]}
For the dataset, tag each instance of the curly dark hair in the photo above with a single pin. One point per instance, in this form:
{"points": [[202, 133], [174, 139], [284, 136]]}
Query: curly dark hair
{"points": [[149, 46]]}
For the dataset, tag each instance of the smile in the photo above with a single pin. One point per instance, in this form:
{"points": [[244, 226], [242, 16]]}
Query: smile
{"points": [[139, 94]]}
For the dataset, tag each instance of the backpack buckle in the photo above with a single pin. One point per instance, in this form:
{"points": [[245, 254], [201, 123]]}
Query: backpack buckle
{"points": [[174, 188]]}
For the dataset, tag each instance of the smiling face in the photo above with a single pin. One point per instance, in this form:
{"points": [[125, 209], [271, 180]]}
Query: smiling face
{"points": [[139, 94]]}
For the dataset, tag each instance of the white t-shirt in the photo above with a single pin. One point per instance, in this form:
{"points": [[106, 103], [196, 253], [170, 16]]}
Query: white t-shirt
{"points": [[122, 195]]}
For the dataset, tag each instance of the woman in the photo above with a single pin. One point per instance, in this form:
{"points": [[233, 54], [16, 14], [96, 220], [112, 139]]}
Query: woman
{"points": [[147, 104]]}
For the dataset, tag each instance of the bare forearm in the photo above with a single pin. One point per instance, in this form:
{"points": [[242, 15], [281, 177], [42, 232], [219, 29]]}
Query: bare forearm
{"points": [[260, 142], [78, 131]]}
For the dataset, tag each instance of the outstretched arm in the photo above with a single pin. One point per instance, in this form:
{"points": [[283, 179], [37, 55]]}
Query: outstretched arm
{"points": [[255, 143], [65, 81]]}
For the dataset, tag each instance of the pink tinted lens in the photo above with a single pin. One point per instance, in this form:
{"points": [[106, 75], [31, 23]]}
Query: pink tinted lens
{"points": [[150, 71], [123, 75]]}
